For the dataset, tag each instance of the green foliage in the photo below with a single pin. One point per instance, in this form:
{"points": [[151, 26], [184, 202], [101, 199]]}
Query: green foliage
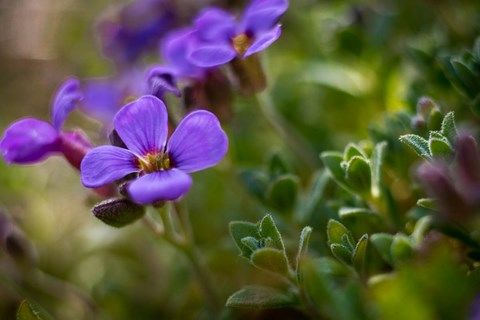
{"points": [[29, 310], [258, 297]]}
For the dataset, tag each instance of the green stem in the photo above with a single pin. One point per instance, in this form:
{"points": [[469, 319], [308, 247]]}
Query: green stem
{"points": [[185, 244], [286, 132]]}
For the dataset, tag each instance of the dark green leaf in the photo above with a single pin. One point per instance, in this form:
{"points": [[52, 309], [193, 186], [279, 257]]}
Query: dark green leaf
{"points": [[259, 297], [256, 183], [336, 231], [303, 245], [383, 242], [277, 166], [272, 260], [358, 174], [342, 253], [268, 229], [31, 311], [401, 248], [418, 144], [282, 193], [439, 148], [240, 230], [360, 252]]}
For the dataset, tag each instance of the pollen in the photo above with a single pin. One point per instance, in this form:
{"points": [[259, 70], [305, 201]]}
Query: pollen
{"points": [[153, 162], [241, 43]]}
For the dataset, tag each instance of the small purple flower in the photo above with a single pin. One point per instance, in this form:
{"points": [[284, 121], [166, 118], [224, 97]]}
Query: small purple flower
{"points": [[174, 50], [31, 140], [220, 38], [163, 167], [137, 28]]}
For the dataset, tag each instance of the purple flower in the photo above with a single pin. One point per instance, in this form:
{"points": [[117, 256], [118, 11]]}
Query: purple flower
{"points": [[174, 50], [163, 167], [220, 38], [31, 140], [137, 28]]}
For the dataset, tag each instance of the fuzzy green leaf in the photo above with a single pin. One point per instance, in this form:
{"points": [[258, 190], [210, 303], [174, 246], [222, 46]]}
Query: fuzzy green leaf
{"points": [[282, 193], [360, 253], [427, 203], [240, 230], [466, 76], [417, 143], [336, 231], [439, 148], [342, 253], [352, 150], [401, 248], [358, 174], [332, 161], [259, 297], [303, 245], [271, 259], [376, 164], [268, 229], [449, 130], [383, 242], [31, 311]]}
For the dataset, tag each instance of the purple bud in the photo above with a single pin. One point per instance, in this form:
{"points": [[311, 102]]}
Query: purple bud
{"points": [[160, 81], [424, 106], [115, 140], [435, 177]]}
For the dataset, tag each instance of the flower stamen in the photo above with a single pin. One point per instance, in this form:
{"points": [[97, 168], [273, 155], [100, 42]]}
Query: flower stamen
{"points": [[153, 162], [241, 43]]}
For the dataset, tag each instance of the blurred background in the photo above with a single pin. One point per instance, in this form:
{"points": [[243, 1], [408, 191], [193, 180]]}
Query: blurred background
{"points": [[338, 68]]}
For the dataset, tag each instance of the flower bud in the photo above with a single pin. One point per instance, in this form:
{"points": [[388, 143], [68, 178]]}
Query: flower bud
{"points": [[118, 212]]}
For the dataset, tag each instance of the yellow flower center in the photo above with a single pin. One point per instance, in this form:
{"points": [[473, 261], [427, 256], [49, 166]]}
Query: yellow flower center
{"points": [[153, 162], [241, 43]]}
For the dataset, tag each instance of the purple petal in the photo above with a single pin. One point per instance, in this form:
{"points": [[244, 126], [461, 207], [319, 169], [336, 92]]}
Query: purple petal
{"points": [[143, 125], [162, 80], [262, 15], [214, 24], [174, 50], [211, 55], [74, 146], [66, 99], [106, 164], [102, 99], [28, 141], [159, 186], [264, 40], [198, 142]]}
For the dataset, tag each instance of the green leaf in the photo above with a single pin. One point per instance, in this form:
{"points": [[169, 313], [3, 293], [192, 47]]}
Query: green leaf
{"points": [[449, 130], [352, 150], [310, 202], [360, 252], [358, 174], [252, 243], [421, 228], [302, 246], [418, 144], [256, 183], [277, 166], [31, 311], [376, 164], [259, 297], [427, 203], [118, 212], [401, 248], [336, 231], [383, 242], [272, 260], [268, 229], [439, 148], [466, 77], [348, 212], [282, 193], [342, 253], [240, 230], [476, 49], [332, 161]]}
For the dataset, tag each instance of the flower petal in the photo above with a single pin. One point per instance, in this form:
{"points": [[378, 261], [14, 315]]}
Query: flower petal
{"points": [[66, 99], [162, 80], [264, 40], [214, 24], [211, 55], [262, 15], [28, 141], [198, 142], [174, 50], [106, 164], [143, 125], [159, 186], [102, 99]]}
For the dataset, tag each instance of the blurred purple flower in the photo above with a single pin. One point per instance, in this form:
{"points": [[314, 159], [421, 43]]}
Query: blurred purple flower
{"points": [[137, 28], [455, 186], [31, 140], [105, 96], [197, 143], [219, 38]]}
